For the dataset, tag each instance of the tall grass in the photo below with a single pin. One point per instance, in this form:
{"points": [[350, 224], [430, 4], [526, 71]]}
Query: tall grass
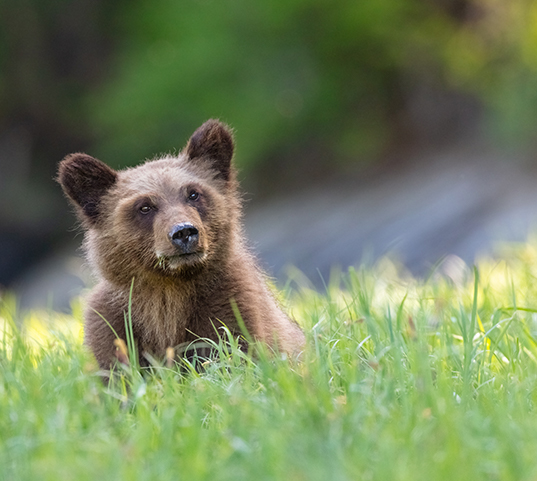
{"points": [[402, 379]]}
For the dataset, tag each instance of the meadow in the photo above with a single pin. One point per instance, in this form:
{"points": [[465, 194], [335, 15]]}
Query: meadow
{"points": [[402, 379]]}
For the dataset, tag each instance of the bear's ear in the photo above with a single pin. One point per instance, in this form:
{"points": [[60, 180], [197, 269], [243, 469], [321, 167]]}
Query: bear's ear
{"points": [[212, 143], [85, 180]]}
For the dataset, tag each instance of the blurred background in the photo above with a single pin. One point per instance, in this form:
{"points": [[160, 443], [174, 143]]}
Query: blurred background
{"points": [[362, 127]]}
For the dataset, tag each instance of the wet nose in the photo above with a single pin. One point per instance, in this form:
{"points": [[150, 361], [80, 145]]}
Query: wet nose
{"points": [[185, 237]]}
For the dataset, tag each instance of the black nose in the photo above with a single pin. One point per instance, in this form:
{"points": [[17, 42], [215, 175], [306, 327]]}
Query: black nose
{"points": [[185, 237]]}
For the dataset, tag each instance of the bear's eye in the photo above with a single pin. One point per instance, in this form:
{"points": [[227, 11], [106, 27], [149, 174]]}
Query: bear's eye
{"points": [[146, 209], [193, 195]]}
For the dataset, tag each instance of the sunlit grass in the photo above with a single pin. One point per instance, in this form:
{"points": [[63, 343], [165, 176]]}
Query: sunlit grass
{"points": [[402, 379]]}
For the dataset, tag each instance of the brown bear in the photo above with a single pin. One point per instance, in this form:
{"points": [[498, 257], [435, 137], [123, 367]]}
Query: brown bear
{"points": [[171, 229]]}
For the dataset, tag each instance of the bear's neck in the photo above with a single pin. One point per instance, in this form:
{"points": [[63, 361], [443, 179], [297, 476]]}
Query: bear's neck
{"points": [[170, 310]]}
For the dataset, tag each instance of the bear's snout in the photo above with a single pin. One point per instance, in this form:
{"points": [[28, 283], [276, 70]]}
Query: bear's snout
{"points": [[185, 237]]}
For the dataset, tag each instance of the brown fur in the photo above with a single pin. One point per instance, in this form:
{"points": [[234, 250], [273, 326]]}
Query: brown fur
{"points": [[128, 216]]}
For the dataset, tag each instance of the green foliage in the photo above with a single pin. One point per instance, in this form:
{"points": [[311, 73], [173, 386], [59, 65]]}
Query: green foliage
{"points": [[401, 379], [283, 73], [310, 78], [318, 80], [495, 57]]}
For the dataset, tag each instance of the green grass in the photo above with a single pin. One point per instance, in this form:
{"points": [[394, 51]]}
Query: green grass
{"points": [[401, 380]]}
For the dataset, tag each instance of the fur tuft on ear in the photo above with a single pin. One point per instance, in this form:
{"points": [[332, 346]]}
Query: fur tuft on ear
{"points": [[212, 142], [85, 180]]}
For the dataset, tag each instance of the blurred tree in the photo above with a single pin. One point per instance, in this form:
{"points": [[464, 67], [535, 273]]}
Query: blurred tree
{"points": [[288, 74], [51, 54], [493, 54], [327, 82]]}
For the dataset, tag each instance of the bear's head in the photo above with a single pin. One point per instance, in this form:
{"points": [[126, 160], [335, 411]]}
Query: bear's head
{"points": [[168, 217]]}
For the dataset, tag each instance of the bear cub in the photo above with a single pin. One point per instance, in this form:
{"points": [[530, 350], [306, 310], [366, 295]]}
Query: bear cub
{"points": [[171, 229]]}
